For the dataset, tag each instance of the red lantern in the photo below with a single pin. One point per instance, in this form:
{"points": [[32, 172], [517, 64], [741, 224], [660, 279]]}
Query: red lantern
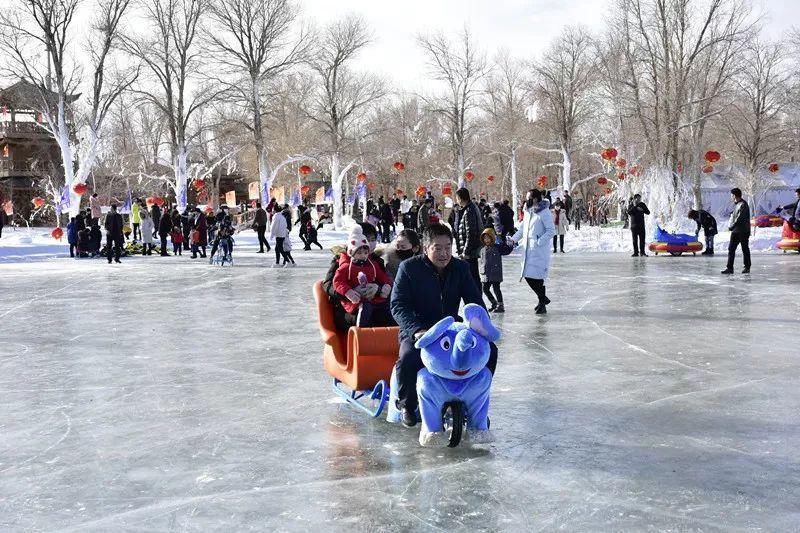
{"points": [[621, 176], [635, 170], [304, 189], [399, 166], [199, 184], [609, 190], [305, 170], [541, 181], [773, 167], [469, 175], [712, 156], [150, 200], [602, 180], [399, 192], [159, 201], [608, 154], [80, 189], [491, 179], [57, 234], [708, 169], [362, 177], [447, 190], [371, 186], [621, 163], [38, 202], [421, 191]]}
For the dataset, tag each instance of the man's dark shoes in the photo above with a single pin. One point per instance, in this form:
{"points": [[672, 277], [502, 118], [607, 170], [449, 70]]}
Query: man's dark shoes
{"points": [[541, 309], [409, 417], [727, 271], [746, 271], [260, 252], [634, 255]]}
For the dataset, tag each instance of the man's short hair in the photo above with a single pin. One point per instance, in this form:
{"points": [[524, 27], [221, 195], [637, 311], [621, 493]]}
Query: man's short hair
{"points": [[693, 214], [797, 190], [463, 194], [637, 195], [436, 230], [737, 192]]}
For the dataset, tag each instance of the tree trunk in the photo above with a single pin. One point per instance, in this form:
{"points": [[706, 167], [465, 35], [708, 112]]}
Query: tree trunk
{"points": [[566, 169]]}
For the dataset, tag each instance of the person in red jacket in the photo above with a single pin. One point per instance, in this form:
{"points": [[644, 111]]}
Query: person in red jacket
{"points": [[356, 270]]}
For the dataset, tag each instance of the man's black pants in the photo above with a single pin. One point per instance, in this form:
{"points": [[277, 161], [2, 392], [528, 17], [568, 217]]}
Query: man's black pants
{"points": [[116, 244], [474, 270], [637, 234], [736, 240], [410, 362], [262, 239], [163, 243]]}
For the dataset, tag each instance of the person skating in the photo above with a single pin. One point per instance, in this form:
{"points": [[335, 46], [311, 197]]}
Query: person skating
{"points": [[201, 231], [534, 235], [114, 237], [72, 236], [355, 271], [302, 220], [490, 265], [155, 214], [177, 241], [637, 210], [708, 223], [146, 233], [260, 225], [428, 288], [739, 226], [280, 232], [165, 227], [561, 223], [312, 234], [468, 226]]}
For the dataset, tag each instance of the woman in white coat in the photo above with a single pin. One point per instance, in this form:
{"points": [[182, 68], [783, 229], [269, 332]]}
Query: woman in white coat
{"points": [[534, 235], [561, 224], [146, 222]]}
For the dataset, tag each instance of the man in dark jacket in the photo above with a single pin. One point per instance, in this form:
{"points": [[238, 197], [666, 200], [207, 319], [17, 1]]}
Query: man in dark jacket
{"points": [[114, 237], [2, 219], [428, 288], [739, 226], [155, 214], [260, 225], [637, 210], [341, 318], [506, 219], [164, 229], [568, 206], [387, 221], [424, 215], [705, 220], [303, 219], [468, 228], [793, 210]]}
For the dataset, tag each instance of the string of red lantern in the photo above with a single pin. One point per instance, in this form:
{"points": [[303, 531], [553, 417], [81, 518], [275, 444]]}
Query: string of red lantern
{"points": [[469, 175], [609, 154], [602, 180], [421, 191], [712, 156], [38, 202], [304, 189], [305, 170], [774, 168], [541, 181], [361, 177], [80, 189], [199, 184], [708, 169], [621, 163], [399, 166], [491, 179], [57, 234], [447, 190]]}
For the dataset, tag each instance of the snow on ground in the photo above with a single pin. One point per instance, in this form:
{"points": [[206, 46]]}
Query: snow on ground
{"points": [[36, 244]]}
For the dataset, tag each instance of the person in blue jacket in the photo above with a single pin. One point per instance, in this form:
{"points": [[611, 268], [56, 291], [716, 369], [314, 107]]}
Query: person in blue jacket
{"points": [[427, 288], [72, 236]]}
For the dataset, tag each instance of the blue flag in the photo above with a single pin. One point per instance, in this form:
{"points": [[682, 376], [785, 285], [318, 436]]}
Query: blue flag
{"points": [[64, 203], [295, 199], [329, 194], [126, 207]]}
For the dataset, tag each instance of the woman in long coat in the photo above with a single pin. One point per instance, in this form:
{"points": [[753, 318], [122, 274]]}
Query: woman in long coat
{"points": [[147, 229], [534, 235]]}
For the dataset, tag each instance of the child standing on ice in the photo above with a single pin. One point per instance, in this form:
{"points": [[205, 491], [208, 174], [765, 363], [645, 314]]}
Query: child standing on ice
{"points": [[490, 266], [177, 240], [357, 270]]}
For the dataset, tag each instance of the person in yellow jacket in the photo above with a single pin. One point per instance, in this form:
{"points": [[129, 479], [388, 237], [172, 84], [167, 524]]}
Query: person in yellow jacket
{"points": [[136, 220]]}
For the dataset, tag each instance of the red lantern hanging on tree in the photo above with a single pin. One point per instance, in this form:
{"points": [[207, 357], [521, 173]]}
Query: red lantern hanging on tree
{"points": [[159, 201], [774, 168], [602, 180], [399, 166], [635, 170], [304, 189], [305, 170], [399, 192], [490, 178], [421, 191], [199, 184], [361, 177], [80, 189], [621, 163], [609, 154], [712, 156], [57, 234], [541, 181], [708, 169], [621, 176], [469, 175], [447, 190], [38, 202]]}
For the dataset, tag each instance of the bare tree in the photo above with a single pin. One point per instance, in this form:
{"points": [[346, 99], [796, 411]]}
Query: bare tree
{"points": [[755, 119], [344, 97], [47, 26], [255, 42], [564, 78], [172, 54], [462, 68]]}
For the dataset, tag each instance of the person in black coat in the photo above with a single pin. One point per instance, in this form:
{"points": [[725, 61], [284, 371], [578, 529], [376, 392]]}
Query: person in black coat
{"points": [[568, 206], [739, 226], [428, 288], [114, 237], [468, 227], [637, 210], [95, 239], [164, 229], [186, 227], [2, 220], [387, 221], [303, 220], [506, 220], [155, 214], [708, 223]]}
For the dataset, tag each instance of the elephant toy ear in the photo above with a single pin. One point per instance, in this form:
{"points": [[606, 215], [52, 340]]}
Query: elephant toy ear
{"points": [[435, 332], [478, 320]]}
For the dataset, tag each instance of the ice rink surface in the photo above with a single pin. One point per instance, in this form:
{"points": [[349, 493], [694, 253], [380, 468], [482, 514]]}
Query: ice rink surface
{"points": [[165, 395]]}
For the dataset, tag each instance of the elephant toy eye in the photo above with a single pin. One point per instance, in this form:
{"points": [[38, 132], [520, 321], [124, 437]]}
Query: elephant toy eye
{"points": [[445, 344]]}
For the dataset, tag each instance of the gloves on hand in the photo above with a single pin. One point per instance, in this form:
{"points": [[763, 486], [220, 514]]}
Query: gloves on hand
{"points": [[386, 290], [369, 291], [352, 296]]}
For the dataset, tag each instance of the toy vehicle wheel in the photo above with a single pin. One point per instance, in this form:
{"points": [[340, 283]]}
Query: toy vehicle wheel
{"points": [[453, 422], [676, 254]]}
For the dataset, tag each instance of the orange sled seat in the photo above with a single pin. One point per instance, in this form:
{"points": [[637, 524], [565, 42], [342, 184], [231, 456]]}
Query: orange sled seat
{"points": [[675, 249], [362, 359], [790, 239]]}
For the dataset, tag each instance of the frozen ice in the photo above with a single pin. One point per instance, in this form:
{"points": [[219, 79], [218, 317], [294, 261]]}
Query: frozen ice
{"points": [[169, 395]]}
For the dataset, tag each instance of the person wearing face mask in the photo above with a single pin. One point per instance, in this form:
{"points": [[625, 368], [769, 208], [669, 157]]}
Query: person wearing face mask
{"points": [[341, 318], [405, 246], [534, 235], [428, 288]]}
